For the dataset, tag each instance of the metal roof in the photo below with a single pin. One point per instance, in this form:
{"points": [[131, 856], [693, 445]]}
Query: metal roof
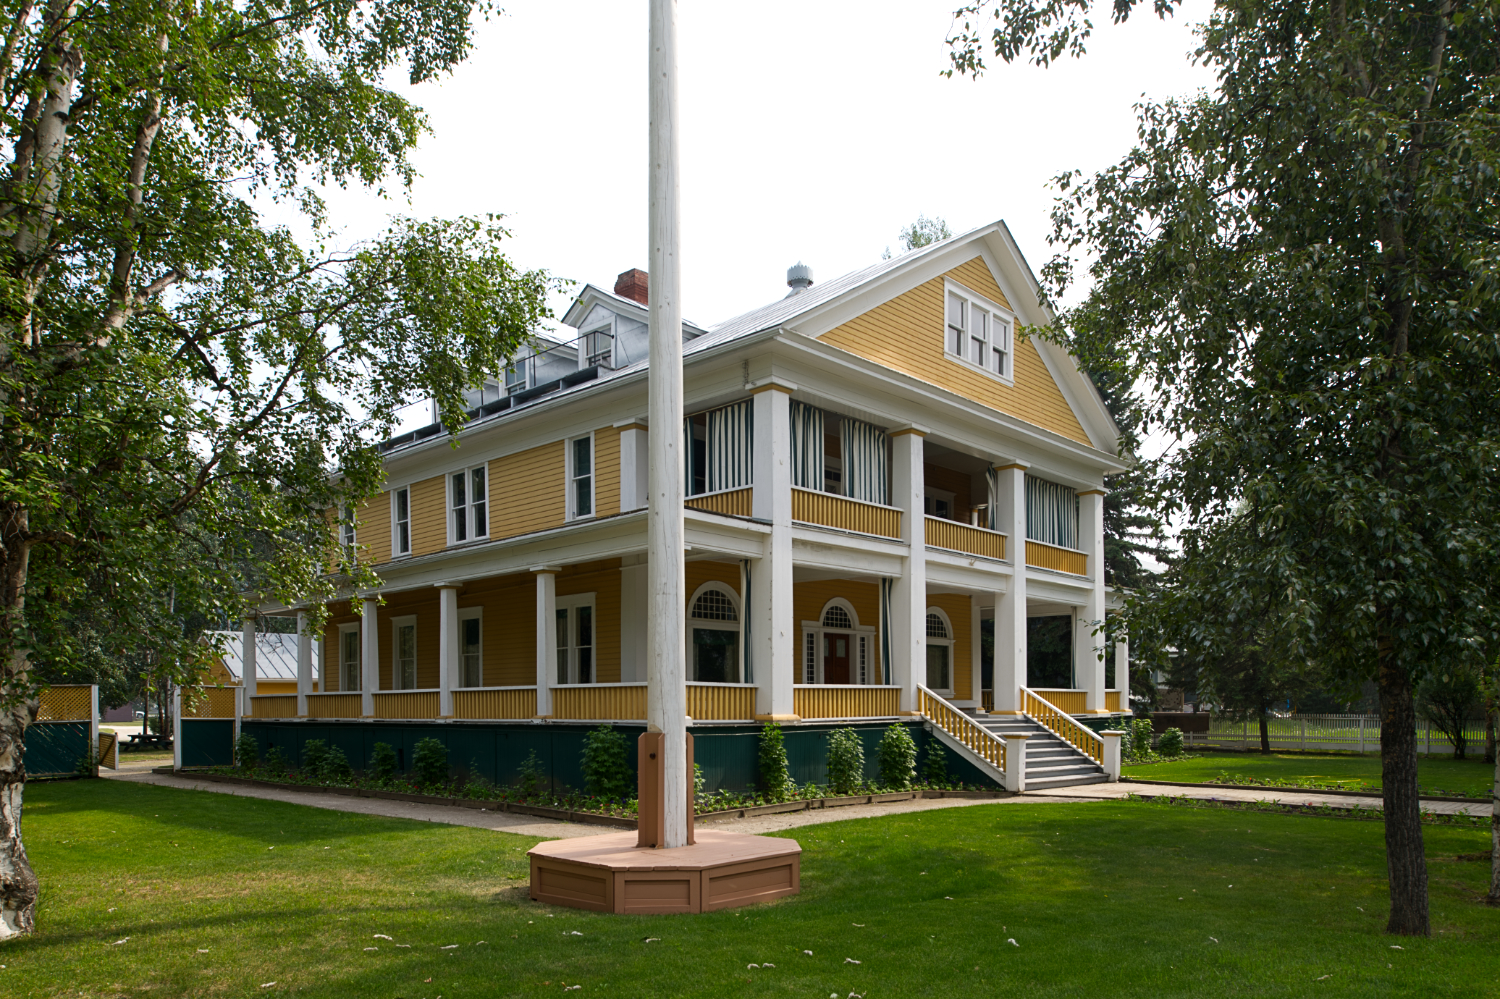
{"points": [[275, 654]]}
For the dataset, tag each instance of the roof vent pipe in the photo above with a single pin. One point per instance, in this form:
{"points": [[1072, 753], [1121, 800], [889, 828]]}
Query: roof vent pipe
{"points": [[799, 277]]}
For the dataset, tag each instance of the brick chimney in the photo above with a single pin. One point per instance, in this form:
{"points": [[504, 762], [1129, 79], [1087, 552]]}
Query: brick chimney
{"points": [[632, 285]]}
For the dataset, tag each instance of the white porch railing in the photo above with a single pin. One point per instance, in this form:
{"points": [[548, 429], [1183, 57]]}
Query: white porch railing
{"points": [[968, 738], [1061, 724]]}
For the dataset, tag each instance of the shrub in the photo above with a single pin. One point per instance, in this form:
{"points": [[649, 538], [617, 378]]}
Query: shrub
{"points": [[935, 766], [846, 761], [246, 751], [699, 782], [1171, 742], [531, 776], [382, 763], [897, 756], [775, 779], [275, 764], [606, 764], [336, 768], [1140, 737], [429, 762], [314, 752]]}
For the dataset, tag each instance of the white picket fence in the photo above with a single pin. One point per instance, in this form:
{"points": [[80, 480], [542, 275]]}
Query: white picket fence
{"points": [[1358, 733]]}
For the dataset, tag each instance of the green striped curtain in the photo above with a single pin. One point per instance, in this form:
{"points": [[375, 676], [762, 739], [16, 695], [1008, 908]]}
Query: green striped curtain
{"points": [[1051, 513], [866, 464], [993, 475], [731, 441], [687, 456], [807, 446], [885, 628], [747, 645]]}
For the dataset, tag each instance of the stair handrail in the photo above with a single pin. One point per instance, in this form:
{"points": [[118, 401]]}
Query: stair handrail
{"points": [[1061, 724], [964, 730]]}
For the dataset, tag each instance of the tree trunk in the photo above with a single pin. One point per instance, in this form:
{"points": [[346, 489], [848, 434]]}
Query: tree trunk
{"points": [[18, 882], [1494, 896], [1265, 734], [1406, 861], [1489, 737]]}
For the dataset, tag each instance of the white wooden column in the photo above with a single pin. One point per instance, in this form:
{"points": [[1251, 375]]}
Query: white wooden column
{"points": [[909, 590], [976, 654], [773, 630], [546, 637], [634, 465], [447, 647], [304, 663], [369, 656], [666, 671], [247, 660], [1089, 642], [1122, 673], [1010, 605]]}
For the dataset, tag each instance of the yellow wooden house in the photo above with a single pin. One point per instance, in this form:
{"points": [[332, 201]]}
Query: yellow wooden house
{"points": [[878, 465]]}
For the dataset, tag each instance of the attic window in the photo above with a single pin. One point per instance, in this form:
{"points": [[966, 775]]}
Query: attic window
{"points": [[978, 332]]}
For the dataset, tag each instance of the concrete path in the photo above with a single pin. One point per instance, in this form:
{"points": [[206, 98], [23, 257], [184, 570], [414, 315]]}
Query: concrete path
{"points": [[1226, 793], [549, 829]]}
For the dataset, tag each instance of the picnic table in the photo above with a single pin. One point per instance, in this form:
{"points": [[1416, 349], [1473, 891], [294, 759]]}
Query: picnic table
{"points": [[142, 740]]}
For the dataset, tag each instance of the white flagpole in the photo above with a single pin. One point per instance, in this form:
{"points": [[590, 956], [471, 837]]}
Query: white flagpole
{"points": [[666, 687]]}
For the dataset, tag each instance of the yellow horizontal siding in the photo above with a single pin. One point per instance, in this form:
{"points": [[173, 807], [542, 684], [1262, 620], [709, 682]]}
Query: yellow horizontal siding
{"points": [[429, 513], [528, 492], [602, 578], [374, 528], [907, 333], [606, 472], [956, 606]]}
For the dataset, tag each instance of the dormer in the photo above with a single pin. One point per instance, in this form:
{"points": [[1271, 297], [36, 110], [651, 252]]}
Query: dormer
{"points": [[613, 326]]}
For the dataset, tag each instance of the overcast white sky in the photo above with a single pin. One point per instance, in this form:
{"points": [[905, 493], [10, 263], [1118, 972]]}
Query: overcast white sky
{"points": [[811, 131]]}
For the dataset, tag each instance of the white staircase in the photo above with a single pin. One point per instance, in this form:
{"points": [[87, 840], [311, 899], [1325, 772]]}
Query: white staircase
{"points": [[1056, 751]]}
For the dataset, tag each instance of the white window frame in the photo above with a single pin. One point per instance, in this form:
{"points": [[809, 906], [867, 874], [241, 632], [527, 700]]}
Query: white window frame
{"points": [[737, 625], [862, 671], [348, 532], [469, 506], [523, 367], [397, 623], [1001, 326], [470, 614], [344, 664], [586, 356], [396, 523], [948, 642], [567, 654], [593, 477]]}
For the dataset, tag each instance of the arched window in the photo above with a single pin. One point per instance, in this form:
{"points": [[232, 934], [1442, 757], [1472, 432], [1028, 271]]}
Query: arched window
{"points": [[715, 605], [713, 624], [836, 617], [939, 651]]}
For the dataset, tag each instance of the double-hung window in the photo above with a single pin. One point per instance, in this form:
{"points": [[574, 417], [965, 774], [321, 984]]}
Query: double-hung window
{"points": [[401, 521], [515, 376], [468, 505], [347, 533], [470, 647], [978, 332], [404, 662], [581, 477], [575, 638], [599, 348], [349, 657]]}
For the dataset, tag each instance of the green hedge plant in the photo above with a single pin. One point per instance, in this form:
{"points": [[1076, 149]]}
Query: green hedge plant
{"points": [[429, 762], [1170, 743], [606, 764], [314, 752], [846, 761], [246, 751], [335, 768], [897, 757], [382, 763], [775, 776]]}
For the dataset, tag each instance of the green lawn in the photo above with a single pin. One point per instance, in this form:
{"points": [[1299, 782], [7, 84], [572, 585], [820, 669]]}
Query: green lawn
{"points": [[1117, 899], [1351, 770]]}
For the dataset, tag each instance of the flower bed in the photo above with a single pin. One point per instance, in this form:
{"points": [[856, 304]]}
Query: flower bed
{"points": [[1312, 784]]}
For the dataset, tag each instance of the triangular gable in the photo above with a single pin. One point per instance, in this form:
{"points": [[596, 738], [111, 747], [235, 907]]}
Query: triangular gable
{"points": [[906, 333]]}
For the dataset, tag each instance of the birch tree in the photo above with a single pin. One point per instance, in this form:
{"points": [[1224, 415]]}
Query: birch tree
{"points": [[1303, 267], [185, 391]]}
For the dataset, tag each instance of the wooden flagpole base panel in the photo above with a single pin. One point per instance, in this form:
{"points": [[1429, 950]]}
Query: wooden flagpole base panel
{"points": [[610, 873]]}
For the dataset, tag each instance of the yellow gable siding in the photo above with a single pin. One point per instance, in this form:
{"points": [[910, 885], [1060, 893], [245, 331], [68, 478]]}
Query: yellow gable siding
{"points": [[606, 472], [907, 333], [429, 513], [527, 491]]}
